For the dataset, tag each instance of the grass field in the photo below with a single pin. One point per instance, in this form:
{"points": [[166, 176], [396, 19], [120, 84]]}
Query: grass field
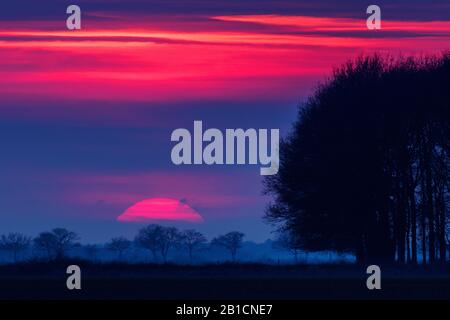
{"points": [[224, 281]]}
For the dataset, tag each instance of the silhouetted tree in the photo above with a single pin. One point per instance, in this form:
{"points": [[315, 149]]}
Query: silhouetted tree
{"points": [[149, 238], [192, 240], [119, 245], [46, 242], [365, 168], [91, 251], [170, 237], [14, 243], [288, 242], [231, 241], [56, 243], [157, 238]]}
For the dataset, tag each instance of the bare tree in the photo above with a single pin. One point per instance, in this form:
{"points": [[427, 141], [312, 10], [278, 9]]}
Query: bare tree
{"points": [[14, 243], [192, 240], [170, 237], [149, 238], [231, 241], [57, 242], [91, 251], [46, 242], [119, 245], [157, 238]]}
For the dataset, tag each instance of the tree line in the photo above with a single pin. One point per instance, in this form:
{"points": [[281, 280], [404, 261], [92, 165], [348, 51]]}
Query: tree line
{"points": [[156, 239], [366, 167]]}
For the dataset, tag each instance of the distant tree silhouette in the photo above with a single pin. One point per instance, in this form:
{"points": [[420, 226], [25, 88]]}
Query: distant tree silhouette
{"points": [[365, 168], [231, 241], [192, 240], [46, 242], [170, 237], [14, 243], [158, 239], [148, 238], [56, 243], [91, 251], [119, 245], [288, 242]]}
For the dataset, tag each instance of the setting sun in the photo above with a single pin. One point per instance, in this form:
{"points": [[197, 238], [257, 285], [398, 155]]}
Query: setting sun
{"points": [[160, 209]]}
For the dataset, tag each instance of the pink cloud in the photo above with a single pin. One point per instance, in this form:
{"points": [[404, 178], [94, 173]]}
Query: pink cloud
{"points": [[174, 60]]}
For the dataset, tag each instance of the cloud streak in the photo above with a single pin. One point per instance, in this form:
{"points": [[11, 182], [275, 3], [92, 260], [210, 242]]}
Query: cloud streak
{"points": [[240, 57]]}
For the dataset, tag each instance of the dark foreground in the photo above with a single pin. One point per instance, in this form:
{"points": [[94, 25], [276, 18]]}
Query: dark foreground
{"points": [[119, 281]]}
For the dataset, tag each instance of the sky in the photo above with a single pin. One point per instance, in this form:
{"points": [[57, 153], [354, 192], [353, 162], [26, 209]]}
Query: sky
{"points": [[86, 115]]}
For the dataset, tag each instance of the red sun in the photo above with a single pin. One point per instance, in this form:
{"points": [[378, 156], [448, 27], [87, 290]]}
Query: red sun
{"points": [[160, 209]]}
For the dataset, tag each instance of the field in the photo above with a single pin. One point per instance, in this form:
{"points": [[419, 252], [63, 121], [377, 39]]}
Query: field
{"points": [[222, 281]]}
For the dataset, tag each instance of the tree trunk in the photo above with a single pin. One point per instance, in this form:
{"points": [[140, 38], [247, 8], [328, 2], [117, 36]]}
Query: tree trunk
{"points": [[430, 211], [401, 227], [360, 251], [424, 239], [441, 212], [412, 206]]}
